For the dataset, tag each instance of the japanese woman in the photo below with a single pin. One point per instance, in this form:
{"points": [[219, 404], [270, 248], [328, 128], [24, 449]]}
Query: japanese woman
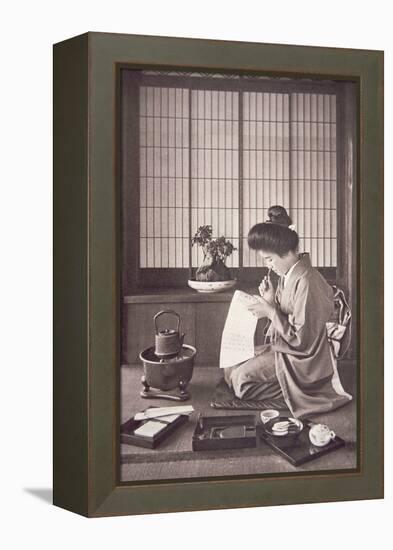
{"points": [[297, 367]]}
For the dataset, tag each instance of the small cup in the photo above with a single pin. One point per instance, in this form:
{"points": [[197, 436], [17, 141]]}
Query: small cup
{"points": [[268, 414], [320, 435]]}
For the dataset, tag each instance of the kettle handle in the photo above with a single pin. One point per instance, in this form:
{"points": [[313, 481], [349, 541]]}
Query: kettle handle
{"points": [[157, 315]]}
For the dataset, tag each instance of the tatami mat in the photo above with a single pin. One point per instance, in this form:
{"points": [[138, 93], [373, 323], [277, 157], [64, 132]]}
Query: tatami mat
{"points": [[174, 458]]}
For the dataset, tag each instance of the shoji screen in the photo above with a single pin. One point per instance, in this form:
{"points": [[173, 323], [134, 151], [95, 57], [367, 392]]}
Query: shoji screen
{"points": [[265, 160], [313, 199], [289, 158], [215, 166], [164, 177], [222, 156]]}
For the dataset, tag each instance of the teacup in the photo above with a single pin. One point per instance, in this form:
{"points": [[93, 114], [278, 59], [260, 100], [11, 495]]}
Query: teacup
{"points": [[320, 435], [268, 414]]}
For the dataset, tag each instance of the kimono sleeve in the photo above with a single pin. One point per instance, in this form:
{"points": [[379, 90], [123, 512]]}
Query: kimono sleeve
{"points": [[300, 333]]}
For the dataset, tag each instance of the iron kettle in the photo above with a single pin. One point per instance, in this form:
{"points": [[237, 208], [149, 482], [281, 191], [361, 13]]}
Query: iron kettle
{"points": [[168, 342]]}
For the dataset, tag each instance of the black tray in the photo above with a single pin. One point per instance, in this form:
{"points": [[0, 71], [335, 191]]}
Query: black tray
{"points": [[224, 432], [127, 431], [298, 450]]}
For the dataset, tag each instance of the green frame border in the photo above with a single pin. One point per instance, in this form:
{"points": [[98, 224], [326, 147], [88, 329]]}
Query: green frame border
{"points": [[87, 291]]}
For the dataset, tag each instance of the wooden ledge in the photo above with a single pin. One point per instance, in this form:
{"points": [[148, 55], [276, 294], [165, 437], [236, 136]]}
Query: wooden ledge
{"points": [[181, 295]]}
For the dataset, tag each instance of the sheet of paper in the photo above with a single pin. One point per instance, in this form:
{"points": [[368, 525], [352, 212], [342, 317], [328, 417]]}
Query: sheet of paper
{"points": [[170, 418], [149, 429], [237, 342], [156, 412]]}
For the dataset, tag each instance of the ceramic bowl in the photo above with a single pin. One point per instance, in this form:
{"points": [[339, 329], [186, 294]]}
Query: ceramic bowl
{"points": [[269, 414], [211, 286]]}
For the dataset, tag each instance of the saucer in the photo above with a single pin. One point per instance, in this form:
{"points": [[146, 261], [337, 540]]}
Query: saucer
{"points": [[284, 426]]}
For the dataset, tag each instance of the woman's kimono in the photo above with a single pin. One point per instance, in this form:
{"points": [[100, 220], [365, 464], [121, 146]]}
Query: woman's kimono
{"points": [[300, 352]]}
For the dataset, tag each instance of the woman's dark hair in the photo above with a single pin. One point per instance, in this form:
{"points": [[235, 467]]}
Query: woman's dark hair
{"points": [[274, 235], [278, 214]]}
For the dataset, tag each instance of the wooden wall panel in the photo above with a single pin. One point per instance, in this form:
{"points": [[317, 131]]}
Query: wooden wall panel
{"points": [[202, 322]]}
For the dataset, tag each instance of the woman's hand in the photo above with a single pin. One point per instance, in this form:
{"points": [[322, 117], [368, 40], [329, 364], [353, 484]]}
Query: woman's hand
{"points": [[266, 289], [261, 308]]}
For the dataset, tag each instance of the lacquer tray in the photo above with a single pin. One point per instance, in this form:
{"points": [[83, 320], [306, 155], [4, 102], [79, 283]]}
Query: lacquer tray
{"points": [[300, 449], [128, 435]]}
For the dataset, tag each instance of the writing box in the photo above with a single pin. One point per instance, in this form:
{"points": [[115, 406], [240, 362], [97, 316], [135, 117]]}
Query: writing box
{"points": [[128, 429], [224, 432]]}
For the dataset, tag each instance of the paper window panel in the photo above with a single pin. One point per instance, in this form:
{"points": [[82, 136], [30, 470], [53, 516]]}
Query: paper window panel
{"points": [[266, 132], [172, 249], [214, 171], [334, 252], [164, 158], [313, 175]]}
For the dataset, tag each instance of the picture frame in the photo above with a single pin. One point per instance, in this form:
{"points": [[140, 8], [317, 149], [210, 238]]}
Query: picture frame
{"points": [[87, 264]]}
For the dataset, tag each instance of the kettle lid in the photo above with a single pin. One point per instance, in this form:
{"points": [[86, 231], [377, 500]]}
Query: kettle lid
{"points": [[167, 331]]}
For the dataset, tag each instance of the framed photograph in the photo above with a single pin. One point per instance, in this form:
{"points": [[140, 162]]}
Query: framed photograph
{"points": [[218, 274]]}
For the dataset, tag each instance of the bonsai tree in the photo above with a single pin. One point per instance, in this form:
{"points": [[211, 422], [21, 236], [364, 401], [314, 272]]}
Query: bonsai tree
{"points": [[215, 252]]}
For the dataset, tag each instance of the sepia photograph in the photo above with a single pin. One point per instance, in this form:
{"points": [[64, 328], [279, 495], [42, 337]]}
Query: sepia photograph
{"points": [[237, 198]]}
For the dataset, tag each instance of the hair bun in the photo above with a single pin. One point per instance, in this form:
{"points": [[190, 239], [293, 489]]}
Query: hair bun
{"points": [[278, 215]]}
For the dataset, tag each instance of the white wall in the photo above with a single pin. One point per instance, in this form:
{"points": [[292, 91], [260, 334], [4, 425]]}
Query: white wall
{"points": [[28, 30]]}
